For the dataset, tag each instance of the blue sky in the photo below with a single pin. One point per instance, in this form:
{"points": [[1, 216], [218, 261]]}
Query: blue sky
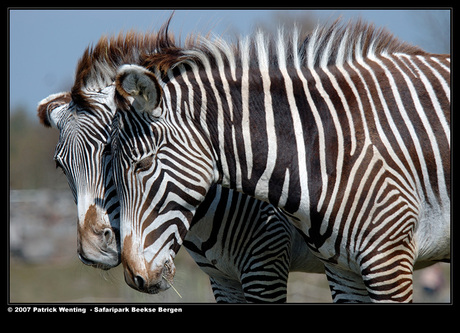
{"points": [[45, 45]]}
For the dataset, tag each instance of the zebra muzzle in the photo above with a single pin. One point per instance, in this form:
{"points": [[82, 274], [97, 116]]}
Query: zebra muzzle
{"points": [[152, 281]]}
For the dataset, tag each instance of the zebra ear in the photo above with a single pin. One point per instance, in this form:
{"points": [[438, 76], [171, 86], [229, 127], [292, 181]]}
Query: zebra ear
{"points": [[142, 85], [49, 109]]}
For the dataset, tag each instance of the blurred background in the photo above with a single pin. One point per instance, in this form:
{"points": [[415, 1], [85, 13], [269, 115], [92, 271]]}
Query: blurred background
{"points": [[44, 47]]}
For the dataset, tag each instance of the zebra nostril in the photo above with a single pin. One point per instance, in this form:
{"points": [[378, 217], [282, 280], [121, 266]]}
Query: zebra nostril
{"points": [[139, 281], [107, 235]]}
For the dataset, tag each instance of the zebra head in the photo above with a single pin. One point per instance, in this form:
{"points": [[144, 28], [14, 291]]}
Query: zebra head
{"points": [[158, 190], [83, 154]]}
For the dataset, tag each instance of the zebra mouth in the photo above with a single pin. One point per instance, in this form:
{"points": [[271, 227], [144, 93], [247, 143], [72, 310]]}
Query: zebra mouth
{"points": [[141, 285], [156, 288], [167, 276], [144, 281], [91, 263], [110, 263]]}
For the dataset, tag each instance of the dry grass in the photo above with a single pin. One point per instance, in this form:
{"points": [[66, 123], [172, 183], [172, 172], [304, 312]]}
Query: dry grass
{"points": [[70, 281]]}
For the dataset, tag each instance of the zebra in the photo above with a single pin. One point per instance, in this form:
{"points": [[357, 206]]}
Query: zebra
{"points": [[246, 246], [347, 131], [250, 267], [83, 155]]}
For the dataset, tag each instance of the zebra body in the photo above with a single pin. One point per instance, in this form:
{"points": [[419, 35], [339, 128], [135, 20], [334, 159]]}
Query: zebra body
{"points": [[348, 132]]}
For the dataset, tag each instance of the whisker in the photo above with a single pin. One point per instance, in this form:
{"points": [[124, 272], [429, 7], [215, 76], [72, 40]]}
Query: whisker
{"points": [[170, 283]]}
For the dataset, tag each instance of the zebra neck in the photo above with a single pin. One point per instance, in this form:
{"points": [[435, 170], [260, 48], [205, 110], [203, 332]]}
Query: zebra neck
{"points": [[250, 122]]}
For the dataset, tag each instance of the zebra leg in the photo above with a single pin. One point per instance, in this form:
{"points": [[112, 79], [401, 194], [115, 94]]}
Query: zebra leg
{"points": [[346, 286], [227, 291], [264, 286], [390, 279]]}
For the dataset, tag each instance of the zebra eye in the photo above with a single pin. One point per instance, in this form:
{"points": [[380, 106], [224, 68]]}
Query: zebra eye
{"points": [[107, 150], [144, 164]]}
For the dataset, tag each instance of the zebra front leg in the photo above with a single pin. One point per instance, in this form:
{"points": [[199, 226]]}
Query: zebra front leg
{"points": [[346, 286], [389, 278], [227, 291], [265, 286]]}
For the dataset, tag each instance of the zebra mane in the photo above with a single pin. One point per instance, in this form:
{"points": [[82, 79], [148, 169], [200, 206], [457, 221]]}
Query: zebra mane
{"points": [[97, 68], [337, 44], [327, 45], [333, 44]]}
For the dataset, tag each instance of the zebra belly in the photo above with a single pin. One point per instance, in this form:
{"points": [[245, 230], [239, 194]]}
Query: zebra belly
{"points": [[212, 262], [432, 236]]}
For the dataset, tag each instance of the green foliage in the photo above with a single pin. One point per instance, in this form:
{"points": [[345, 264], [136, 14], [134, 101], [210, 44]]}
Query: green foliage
{"points": [[31, 153]]}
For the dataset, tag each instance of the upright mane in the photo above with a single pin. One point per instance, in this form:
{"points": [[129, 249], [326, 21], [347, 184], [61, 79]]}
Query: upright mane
{"points": [[332, 44], [337, 43], [98, 65]]}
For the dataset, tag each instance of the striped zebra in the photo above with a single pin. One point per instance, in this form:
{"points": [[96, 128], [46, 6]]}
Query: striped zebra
{"points": [[247, 247], [83, 154], [347, 131]]}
